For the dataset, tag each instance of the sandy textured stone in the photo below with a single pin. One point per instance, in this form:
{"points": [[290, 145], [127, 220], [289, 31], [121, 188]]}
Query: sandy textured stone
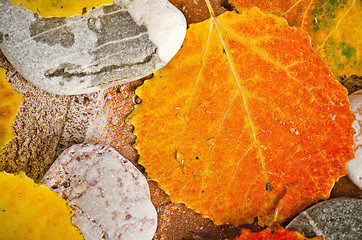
{"points": [[46, 124], [344, 187], [336, 219], [176, 221], [33, 148], [196, 11], [107, 124], [79, 110], [109, 196], [85, 54]]}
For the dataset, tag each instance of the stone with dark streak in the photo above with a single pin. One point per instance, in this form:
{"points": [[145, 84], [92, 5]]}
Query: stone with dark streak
{"points": [[110, 45], [336, 219], [41, 31]]}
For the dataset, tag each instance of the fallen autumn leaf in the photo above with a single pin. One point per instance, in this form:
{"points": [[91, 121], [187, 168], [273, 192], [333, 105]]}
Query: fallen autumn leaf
{"points": [[274, 232], [246, 122], [31, 211]]}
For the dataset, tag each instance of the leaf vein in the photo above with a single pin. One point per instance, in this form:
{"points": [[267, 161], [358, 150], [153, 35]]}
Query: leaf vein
{"points": [[242, 95]]}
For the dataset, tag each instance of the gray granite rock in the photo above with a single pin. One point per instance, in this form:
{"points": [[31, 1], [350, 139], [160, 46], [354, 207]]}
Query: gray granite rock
{"points": [[111, 45], [336, 219]]}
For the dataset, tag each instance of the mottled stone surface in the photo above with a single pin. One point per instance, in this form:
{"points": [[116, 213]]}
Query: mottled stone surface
{"points": [[354, 167], [336, 219], [109, 196], [109, 46]]}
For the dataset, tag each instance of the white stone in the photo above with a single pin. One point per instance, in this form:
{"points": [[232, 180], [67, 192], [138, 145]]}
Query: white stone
{"points": [[160, 22], [109, 196], [354, 167]]}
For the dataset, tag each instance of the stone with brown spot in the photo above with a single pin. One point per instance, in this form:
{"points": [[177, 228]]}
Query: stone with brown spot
{"points": [[86, 176]]}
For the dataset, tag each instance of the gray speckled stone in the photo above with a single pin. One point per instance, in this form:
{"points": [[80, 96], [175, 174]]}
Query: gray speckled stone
{"points": [[336, 219], [109, 46]]}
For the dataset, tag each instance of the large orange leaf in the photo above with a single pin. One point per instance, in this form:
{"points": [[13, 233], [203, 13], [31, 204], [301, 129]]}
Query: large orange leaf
{"points": [[245, 122], [274, 232], [10, 102], [30, 211], [333, 24]]}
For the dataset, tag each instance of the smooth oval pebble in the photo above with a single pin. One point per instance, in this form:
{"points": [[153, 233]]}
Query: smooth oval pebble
{"points": [[354, 166], [109, 196], [335, 219], [111, 45]]}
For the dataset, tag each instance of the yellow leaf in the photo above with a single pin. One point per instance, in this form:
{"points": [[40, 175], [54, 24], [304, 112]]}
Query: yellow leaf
{"points": [[337, 36], [334, 26], [32, 211], [8, 109], [61, 8]]}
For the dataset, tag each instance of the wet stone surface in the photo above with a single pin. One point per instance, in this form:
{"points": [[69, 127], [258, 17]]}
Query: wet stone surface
{"points": [[335, 219]]}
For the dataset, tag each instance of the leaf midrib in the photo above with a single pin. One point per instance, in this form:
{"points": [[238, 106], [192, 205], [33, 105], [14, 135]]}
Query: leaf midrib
{"points": [[243, 98]]}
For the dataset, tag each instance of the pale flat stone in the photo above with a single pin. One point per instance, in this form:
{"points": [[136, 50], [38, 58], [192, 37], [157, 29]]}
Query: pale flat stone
{"points": [[109, 196], [111, 45], [336, 219], [354, 167]]}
